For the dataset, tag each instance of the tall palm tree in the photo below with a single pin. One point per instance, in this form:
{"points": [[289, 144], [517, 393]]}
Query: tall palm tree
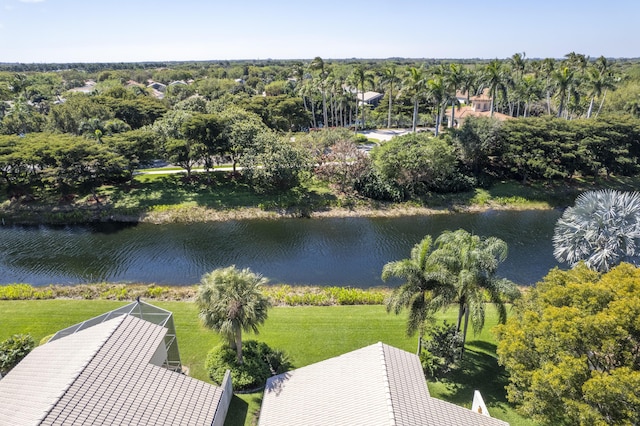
{"points": [[362, 78], [603, 78], [424, 290], [529, 91], [577, 61], [437, 92], [472, 262], [495, 78], [231, 301], [415, 84], [469, 83], [453, 79], [517, 62], [518, 65], [602, 229], [321, 70], [564, 83], [548, 67], [390, 78]]}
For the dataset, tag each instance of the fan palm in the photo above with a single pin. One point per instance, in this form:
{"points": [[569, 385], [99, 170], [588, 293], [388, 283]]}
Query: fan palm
{"points": [[602, 229], [230, 301], [424, 290]]}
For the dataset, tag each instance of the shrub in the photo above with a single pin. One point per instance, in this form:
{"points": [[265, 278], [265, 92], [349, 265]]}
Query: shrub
{"points": [[23, 292], [13, 350], [260, 363], [441, 352]]}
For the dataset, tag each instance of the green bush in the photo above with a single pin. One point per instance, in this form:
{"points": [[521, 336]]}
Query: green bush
{"points": [[13, 350], [24, 292], [259, 363], [442, 351]]}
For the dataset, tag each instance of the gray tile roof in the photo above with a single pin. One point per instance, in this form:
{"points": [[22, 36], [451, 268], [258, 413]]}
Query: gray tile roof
{"points": [[375, 385], [103, 375]]}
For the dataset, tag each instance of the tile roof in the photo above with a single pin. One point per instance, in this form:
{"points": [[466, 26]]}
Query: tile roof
{"points": [[375, 385], [104, 375]]}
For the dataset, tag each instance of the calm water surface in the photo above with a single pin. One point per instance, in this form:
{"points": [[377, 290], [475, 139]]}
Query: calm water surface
{"points": [[337, 251]]}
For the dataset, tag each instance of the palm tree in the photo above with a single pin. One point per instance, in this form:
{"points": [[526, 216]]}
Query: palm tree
{"points": [[518, 64], [231, 301], [423, 291], [437, 92], [318, 65], [453, 79], [390, 78], [361, 78], [471, 263], [529, 91], [599, 81], [495, 79], [415, 84], [548, 67], [563, 79], [602, 229], [469, 83]]}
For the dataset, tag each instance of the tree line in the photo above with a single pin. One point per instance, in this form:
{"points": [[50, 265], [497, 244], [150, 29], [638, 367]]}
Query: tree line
{"points": [[256, 115]]}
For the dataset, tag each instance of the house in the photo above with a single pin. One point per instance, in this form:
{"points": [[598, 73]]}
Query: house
{"points": [[89, 86], [157, 86], [480, 107], [370, 98], [122, 367], [374, 385]]}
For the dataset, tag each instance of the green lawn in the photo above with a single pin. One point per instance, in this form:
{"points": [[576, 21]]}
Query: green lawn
{"points": [[308, 334]]}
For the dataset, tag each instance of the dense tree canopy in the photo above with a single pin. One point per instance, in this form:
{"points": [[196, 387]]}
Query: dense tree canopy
{"points": [[572, 348], [585, 132]]}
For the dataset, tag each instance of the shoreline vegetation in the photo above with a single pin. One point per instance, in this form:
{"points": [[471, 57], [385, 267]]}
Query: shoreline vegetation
{"points": [[278, 294], [219, 196], [162, 199]]}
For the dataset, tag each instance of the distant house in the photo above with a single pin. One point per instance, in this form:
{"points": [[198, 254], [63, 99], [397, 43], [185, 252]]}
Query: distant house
{"points": [[370, 98], [157, 89], [120, 368], [89, 86], [480, 107], [157, 86], [374, 385]]}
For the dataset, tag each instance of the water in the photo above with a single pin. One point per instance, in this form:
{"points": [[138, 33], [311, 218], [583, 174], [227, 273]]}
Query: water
{"points": [[336, 251]]}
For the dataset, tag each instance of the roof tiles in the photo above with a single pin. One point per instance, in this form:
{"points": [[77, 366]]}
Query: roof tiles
{"points": [[375, 385], [103, 375]]}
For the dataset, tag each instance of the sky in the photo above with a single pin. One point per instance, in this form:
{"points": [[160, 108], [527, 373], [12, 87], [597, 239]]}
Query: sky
{"points": [[60, 31]]}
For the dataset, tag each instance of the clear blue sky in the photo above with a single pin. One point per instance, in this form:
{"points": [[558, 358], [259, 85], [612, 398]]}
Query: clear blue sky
{"points": [[141, 30]]}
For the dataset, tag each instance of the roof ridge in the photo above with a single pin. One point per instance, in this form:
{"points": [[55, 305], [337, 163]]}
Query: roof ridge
{"points": [[387, 389]]}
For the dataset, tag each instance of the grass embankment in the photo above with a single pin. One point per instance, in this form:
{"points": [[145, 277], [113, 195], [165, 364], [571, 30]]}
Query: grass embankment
{"points": [[162, 198], [307, 333]]}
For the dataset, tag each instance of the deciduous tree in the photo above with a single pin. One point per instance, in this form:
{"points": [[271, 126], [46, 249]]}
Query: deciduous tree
{"points": [[572, 349]]}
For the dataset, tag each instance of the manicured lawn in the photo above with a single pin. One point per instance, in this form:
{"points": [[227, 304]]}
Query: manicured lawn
{"points": [[308, 334]]}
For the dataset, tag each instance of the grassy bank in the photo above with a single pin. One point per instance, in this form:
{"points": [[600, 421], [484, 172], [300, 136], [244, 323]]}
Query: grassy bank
{"points": [[163, 198], [307, 333]]}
